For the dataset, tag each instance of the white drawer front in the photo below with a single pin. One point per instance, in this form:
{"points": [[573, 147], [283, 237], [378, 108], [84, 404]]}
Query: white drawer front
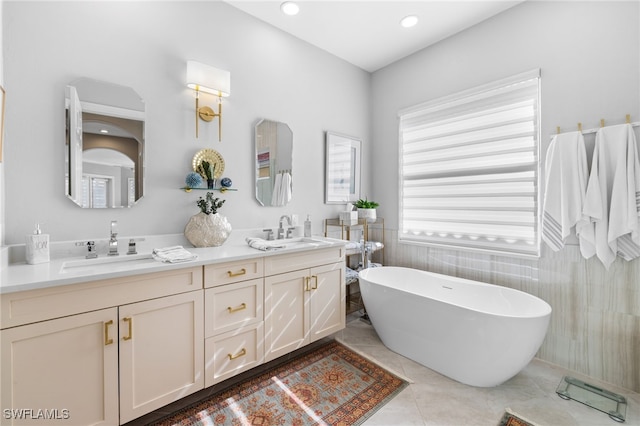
{"points": [[232, 306], [233, 272], [234, 352]]}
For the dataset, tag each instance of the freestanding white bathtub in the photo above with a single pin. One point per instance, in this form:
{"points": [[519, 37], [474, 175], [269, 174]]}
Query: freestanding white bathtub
{"points": [[476, 333]]}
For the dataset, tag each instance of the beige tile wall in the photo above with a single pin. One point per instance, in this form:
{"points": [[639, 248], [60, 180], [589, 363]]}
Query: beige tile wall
{"points": [[595, 325]]}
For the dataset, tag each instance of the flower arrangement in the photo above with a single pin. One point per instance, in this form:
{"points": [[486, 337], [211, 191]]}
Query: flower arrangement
{"points": [[209, 204], [366, 204]]}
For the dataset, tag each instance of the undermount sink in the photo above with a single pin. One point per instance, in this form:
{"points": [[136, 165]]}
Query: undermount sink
{"points": [[105, 262], [296, 242]]}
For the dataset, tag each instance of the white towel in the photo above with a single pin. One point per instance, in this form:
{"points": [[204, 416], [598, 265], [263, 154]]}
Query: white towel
{"points": [[286, 189], [613, 196], [261, 244], [277, 189], [174, 254], [565, 188]]}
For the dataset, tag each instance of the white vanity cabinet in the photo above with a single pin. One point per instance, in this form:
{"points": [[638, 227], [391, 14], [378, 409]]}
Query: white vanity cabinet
{"points": [[67, 366], [102, 352], [105, 352], [304, 299], [161, 344], [234, 319]]}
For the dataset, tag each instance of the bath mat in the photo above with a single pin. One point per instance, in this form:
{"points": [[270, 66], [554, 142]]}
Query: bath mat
{"points": [[510, 419], [329, 385]]}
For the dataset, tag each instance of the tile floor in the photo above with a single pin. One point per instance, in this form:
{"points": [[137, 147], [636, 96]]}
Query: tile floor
{"points": [[434, 400]]}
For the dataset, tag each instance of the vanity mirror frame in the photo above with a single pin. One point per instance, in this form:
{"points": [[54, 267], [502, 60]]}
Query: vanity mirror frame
{"points": [[342, 168], [91, 108]]}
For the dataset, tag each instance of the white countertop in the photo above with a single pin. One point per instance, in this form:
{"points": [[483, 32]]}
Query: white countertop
{"points": [[20, 276]]}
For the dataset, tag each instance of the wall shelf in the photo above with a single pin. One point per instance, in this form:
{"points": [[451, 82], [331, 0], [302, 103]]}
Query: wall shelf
{"points": [[187, 189]]}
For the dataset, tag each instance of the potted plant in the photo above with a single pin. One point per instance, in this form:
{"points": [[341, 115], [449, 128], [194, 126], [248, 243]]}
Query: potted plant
{"points": [[208, 228], [367, 209], [208, 171]]}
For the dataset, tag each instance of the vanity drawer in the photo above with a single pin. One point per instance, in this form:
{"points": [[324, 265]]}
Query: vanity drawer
{"points": [[233, 272], [229, 307], [307, 259], [234, 352]]}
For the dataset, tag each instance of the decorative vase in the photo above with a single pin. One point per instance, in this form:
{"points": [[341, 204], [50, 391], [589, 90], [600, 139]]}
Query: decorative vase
{"points": [[368, 214], [207, 230], [211, 183]]}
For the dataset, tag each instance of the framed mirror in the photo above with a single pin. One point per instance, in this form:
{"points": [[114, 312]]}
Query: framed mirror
{"points": [[342, 169], [273, 163], [104, 144]]}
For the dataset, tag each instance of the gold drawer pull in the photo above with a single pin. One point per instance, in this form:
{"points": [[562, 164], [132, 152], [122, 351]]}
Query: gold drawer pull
{"points": [[306, 284], [236, 274], [238, 308], [243, 352], [107, 340], [315, 279], [130, 321]]}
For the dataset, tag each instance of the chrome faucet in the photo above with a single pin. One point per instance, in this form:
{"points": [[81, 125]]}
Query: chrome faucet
{"points": [[281, 231], [113, 242]]}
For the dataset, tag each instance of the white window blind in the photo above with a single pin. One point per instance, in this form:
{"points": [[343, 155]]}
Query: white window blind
{"points": [[469, 168]]}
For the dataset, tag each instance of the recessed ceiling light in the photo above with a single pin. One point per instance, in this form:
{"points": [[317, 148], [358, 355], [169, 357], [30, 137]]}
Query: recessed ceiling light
{"points": [[105, 131], [289, 8], [409, 21]]}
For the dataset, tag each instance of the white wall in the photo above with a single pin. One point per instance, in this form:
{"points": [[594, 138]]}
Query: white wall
{"points": [[145, 45], [589, 55]]}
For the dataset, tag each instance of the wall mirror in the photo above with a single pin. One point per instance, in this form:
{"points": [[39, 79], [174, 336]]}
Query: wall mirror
{"points": [[342, 169], [274, 163], [104, 144]]}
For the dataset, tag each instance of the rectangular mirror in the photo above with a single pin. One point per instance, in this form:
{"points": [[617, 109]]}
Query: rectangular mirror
{"points": [[342, 169]]}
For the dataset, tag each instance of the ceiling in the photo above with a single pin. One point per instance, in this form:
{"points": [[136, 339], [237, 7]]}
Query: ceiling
{"points": [[367, 33]]}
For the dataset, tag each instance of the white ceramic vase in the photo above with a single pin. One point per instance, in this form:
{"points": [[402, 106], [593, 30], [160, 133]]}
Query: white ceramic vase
{"points": [[368, 214], [207, 230]]}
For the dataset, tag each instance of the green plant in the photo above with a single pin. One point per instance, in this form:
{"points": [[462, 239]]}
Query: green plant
{"points": [[366, 204], [205, 168], [209, 204]]}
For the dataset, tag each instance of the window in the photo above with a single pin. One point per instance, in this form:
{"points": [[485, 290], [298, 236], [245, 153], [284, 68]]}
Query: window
{"points": [[469, 168]]}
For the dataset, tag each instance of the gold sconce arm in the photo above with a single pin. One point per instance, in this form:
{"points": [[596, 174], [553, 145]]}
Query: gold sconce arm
{"points": [[207, 114]]}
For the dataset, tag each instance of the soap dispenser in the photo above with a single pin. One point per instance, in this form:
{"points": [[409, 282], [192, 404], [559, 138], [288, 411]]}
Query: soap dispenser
{"points": [[37, 247], [307, 226]]}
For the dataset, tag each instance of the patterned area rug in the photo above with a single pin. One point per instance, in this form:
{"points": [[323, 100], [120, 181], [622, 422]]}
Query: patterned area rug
{"points": [[510, 419], [330, 385]]}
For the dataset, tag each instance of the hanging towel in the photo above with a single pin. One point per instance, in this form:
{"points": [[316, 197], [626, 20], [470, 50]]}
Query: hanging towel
{"points": [[174, 254], [286, 188], [613, 194], [261, 244], [565, 188], [277, 188]]}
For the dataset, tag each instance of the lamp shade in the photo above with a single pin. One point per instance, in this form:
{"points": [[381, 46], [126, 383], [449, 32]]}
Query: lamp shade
{"points": [[208, 79]]}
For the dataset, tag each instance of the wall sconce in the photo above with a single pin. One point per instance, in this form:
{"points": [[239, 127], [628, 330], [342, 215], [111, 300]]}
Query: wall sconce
{"points": [[204, 78]]}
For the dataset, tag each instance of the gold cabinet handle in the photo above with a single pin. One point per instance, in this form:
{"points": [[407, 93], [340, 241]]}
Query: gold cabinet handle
{"points": [[107, 340], [306, 284], [315, 279], [130, 321], [243, 352], [236, 274], [237, 308]]}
